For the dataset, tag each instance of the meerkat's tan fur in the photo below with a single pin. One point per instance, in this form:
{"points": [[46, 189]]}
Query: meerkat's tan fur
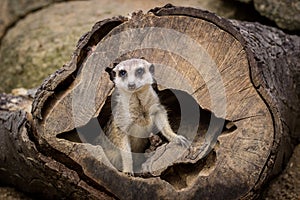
{"points": [[137, 111]]}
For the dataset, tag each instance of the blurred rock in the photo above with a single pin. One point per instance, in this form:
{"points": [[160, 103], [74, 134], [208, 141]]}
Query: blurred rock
{"points": [[7, 193], [12, 10], [286, 186], [285, 13]]}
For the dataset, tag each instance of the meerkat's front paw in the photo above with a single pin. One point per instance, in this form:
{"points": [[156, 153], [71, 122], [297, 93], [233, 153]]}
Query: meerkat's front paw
{"points": [[128, 170], [179, 139], [129, 174]]}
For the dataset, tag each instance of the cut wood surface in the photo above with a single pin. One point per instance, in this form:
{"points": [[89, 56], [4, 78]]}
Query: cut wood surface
{"points": [[224, 84]]}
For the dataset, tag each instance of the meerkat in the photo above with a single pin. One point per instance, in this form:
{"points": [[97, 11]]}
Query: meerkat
{"points": [[137, 112]]}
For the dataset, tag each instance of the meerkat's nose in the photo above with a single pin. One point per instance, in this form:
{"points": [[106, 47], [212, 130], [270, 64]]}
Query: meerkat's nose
{"points": [[131, 86]]}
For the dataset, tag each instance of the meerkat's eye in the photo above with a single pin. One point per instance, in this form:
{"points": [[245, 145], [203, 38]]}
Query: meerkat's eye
{"points": [[122, 73], [139, 72]]}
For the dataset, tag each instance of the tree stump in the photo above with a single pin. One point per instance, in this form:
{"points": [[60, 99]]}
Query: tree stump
{"points": [[230, 87]]}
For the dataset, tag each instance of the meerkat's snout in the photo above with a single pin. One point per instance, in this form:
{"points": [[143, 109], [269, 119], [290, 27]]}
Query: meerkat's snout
{"points": [[131, 86]]}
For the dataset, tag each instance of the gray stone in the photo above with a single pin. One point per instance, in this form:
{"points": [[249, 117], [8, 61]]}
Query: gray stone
{"points": [[12, 10], [285, 13]]}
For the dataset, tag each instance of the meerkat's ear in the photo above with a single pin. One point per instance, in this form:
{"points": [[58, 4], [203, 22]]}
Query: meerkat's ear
{"points": [[143, 58], [115, 64], [111, 72], [151, 69]]}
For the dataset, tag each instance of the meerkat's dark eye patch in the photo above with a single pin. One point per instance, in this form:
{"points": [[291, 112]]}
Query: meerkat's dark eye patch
{"points": [[122, 73], [111, 72], [139, 72]]}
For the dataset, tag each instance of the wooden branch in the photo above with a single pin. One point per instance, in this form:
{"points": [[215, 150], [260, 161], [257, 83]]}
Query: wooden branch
{"points": [[230, 87]]}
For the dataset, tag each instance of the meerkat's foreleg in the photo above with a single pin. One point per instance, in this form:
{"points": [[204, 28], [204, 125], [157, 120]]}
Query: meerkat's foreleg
{"points": [[127, 162], [162, 123]]}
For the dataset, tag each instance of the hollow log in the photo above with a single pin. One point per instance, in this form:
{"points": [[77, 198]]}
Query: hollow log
{"points": [[230, 87]]}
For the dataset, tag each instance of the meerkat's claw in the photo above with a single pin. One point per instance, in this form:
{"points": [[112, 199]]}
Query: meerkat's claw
{"points": [[183, 141]]}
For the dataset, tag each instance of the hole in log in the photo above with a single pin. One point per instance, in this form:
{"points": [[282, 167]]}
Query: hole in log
{"points": [[181, 109], [183, 175], [71, 135]]}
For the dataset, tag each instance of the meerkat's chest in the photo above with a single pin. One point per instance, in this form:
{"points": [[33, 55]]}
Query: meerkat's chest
{"points": [[141, 121], [140, 115], [135, 114]]}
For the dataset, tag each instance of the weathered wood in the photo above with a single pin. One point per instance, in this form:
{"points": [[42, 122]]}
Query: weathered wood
{"points": [[25, 167], [213, 76]]}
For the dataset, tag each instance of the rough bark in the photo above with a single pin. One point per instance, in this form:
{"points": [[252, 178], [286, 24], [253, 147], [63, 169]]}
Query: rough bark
{"points": [[22, 164], [232, 156]]}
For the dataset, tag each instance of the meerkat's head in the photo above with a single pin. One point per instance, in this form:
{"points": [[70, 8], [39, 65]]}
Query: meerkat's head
{"points": [[133, 75]]}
